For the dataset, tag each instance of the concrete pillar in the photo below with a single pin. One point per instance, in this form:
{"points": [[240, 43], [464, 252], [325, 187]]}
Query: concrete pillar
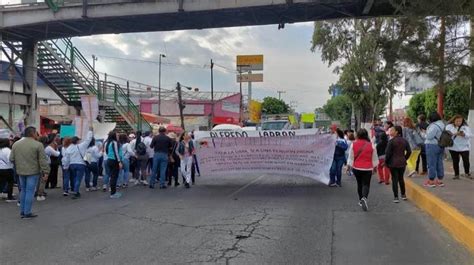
{"points": [[30, 73]]}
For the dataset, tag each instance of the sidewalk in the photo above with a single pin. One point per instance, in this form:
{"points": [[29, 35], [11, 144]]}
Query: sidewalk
{"points": [[452, 206]]}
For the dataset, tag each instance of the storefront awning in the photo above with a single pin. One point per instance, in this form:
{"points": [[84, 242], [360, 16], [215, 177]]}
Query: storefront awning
{"points": [[152, 118]]}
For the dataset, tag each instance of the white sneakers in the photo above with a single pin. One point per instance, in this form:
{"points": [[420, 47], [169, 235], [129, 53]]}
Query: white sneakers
{"points": [[40, 198]]}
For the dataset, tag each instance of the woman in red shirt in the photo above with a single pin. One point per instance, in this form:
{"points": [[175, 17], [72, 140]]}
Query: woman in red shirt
{"points": [[363, 159]]}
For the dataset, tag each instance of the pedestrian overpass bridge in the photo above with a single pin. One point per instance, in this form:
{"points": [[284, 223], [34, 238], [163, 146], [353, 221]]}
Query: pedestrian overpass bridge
{"points": [[39, 21]]}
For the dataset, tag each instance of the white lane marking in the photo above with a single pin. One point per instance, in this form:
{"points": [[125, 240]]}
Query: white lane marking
{"points": [[246, 186]]}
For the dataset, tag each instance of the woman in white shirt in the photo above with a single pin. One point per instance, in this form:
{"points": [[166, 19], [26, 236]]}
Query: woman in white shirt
{"points": [[6, 169], [93, 154], [75, 157], [461, 147]]}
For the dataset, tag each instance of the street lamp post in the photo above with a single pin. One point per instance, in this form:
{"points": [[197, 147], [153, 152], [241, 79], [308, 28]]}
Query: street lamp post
{"points": [[212, 93], [159, 84], [181, 103]]}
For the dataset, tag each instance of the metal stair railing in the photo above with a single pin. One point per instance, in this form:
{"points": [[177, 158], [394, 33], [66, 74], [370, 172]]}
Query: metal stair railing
{"points": [[81, 67]]}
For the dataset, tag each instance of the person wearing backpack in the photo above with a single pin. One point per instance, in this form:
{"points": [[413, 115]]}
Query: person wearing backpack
{"points": [[140, 150], [435, 143], [461, 144], [335, 173]]}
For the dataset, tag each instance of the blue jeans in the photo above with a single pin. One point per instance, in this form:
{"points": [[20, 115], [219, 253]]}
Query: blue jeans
{"points": [[28, 186], [159, 160], [125, 172], [93, 169], [335, 173], [434, 156], [66, 179], [78, 171]]}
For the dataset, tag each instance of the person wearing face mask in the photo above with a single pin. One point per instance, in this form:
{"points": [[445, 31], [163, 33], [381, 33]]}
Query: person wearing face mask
{"points": [[461, 144]]}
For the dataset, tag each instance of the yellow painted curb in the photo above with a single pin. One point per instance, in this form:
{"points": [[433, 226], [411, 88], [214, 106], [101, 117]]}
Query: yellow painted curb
{"points": [[461, 227]]}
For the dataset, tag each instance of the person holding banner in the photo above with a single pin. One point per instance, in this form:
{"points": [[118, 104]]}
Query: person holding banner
{"points": [[75, 157], [186, 151], [114, 163], [67, 176], [396, 156], [335, 173], [363, 159]]}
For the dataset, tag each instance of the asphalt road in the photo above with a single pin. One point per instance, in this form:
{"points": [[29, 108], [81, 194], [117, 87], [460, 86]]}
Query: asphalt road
{"points": [[228, 220]]}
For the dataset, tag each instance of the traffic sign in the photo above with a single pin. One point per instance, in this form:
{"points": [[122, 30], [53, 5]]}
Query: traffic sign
{"points": [[249, 78], [250, 62]]}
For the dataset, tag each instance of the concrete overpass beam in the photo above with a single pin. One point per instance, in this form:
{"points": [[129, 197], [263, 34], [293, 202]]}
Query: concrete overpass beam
{"points": [[30, 73]]}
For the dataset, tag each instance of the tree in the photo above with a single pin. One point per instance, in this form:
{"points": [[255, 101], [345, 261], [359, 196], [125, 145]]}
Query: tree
{"points": [[339, 108], [457, 100], [273, 105], [368, 54]]}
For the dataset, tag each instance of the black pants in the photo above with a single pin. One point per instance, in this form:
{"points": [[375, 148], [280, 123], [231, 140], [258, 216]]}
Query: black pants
{"points": [[465, 160], [397, 179], [52, 181], [363, 182], [114, 172], [422, 159], [6, 177], [173, 169]]}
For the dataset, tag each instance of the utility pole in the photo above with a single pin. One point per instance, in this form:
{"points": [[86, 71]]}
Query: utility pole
{"points": [[212, 93], [279, 93], [159, 84], [250, 89], [181, 104], [241, 96]]}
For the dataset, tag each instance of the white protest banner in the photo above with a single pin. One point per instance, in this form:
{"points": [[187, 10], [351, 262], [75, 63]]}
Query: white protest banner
{"points": [[240, 133], [101, 130], [307, 155], [90, 106]]}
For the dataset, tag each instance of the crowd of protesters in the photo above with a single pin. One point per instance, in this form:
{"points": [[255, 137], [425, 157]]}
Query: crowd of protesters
{"points": [[389, 149], [34, 164]]}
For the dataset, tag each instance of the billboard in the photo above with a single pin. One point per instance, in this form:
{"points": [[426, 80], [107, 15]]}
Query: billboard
{"points": [[249, 78], [250, 62]]}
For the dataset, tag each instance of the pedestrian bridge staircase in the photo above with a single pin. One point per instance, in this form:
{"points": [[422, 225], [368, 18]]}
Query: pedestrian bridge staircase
{"points": [[65, 70]]}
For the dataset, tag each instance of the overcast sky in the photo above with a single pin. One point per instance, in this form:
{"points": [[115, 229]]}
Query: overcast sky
{"points": [[289, 65]]}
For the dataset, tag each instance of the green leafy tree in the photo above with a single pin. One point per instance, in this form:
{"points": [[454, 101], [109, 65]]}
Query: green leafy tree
{"points": [[367, 53], [273, 105], [339, 108], [457, 101]]}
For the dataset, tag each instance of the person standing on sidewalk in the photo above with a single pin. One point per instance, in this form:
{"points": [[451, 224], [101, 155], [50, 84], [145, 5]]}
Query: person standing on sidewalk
{"points": [[65, 167], [461, 144], [114, 163], [162, 146], [398, 151], [7, 174], [363, 159], [125, 171], [421, 129], [382, 169], [414, 139], [335, 173], [30, 163], [434, 152]]}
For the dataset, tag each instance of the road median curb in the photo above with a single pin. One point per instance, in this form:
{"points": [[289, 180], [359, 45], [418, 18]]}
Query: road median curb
{"points": [[460, 226]]}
